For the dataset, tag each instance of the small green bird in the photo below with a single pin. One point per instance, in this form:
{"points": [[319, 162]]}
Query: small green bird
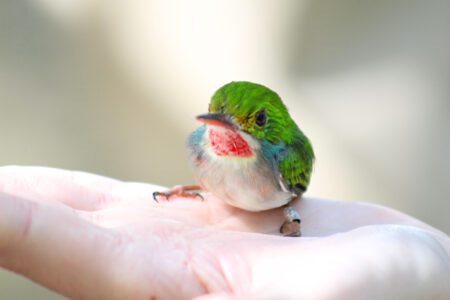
{"points": [[250, 153]]}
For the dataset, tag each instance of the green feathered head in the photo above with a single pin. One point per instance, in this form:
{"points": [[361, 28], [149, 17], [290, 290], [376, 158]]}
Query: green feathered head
{"points": [[254, 109]]}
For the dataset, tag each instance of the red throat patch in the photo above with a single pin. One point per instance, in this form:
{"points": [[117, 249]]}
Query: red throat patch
{"points": [[228, 143]]}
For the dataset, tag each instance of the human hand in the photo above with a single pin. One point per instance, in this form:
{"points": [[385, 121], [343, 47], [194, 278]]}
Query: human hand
{"points": [[91, 237]]}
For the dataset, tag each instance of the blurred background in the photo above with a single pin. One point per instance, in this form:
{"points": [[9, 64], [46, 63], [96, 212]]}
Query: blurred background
{"points": [[112, 87]]}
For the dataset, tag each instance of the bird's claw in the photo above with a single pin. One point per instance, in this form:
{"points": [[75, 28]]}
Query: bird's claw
{"points": [[199, 195], [180, 192], [291, 228], [155, 194]]}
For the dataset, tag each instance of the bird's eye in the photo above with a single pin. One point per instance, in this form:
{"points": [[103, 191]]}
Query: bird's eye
{"points": [[261, 118]]}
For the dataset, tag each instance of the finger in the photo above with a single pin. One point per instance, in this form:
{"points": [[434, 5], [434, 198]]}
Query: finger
{"points": [[323, 217], [76, 189], [79, 190], [50, 245]]}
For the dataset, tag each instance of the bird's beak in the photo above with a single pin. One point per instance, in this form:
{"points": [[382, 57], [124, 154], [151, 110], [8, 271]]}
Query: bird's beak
{"points": [[216, 120]]}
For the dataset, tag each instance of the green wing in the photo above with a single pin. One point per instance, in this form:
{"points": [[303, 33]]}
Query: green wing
{"points": [[296, 166]]}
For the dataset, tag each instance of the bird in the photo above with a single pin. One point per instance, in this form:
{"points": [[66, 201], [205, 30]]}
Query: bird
{"points": [[250, 153]]}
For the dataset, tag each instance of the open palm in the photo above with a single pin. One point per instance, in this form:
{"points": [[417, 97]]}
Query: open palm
{"points": [[91, 237]]}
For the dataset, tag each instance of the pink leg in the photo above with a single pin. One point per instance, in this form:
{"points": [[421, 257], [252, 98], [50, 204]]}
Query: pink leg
{"points": [[180, 191]]}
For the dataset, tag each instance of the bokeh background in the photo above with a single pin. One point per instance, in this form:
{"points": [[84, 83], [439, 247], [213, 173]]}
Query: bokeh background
{"points": [[112, 87]]}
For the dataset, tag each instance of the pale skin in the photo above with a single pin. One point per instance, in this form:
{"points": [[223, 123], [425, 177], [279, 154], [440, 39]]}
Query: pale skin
{"points": [[91, 237]]}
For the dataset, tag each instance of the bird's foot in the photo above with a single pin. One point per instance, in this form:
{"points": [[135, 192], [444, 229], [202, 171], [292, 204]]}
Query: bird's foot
{"points": [[184, 191], [291, 227]]}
